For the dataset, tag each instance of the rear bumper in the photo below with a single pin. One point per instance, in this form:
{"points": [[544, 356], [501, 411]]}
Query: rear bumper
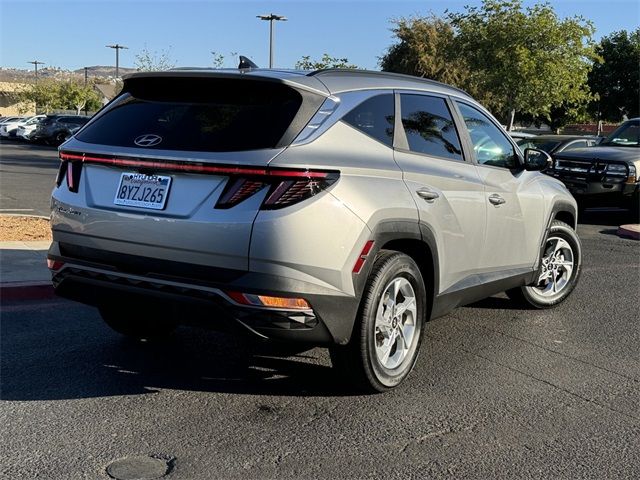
{"points": [[97, 277]]}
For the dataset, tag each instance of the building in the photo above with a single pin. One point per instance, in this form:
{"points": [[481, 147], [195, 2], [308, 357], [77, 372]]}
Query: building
{"points": [[9, 105]]}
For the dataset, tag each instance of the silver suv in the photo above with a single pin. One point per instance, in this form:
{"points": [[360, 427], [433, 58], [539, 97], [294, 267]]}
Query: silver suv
{"points": [[337, 208]]}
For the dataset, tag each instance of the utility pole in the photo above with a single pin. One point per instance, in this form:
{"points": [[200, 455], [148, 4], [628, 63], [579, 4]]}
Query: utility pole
{"points": [[35, 63], [117, 48], [271, 17]]}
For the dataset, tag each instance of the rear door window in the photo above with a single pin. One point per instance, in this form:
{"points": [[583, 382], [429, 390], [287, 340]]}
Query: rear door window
{"points": [[198, 114], [374, 117], [429, 126]]}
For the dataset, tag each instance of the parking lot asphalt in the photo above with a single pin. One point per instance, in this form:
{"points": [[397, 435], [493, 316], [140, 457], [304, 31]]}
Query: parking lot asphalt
{"points": [[498, 392], [27, 175]]}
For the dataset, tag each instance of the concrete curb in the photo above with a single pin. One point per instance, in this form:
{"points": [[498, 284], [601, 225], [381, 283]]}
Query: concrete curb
{"points": [[629, 231], [18, 291]]}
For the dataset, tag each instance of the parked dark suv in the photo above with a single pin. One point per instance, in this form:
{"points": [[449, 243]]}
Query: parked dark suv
{"points": [[55, 129], [607, 174]]}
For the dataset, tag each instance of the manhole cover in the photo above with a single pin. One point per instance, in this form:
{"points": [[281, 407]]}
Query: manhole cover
{"points": [[138, 468]]}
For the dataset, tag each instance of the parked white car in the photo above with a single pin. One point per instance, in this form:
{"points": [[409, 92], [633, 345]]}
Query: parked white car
{"points": [[12, 125], [26, 129]]}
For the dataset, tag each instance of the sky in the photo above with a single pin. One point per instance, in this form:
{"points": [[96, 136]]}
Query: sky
{"points": [[73, 34]]}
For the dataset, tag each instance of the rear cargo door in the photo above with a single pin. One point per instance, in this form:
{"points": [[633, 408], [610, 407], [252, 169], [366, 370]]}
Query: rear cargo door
{"points": [[168, 169]]}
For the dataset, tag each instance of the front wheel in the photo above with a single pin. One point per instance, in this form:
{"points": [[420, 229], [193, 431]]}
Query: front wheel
{"points": [[559, 270], [388, 331]]}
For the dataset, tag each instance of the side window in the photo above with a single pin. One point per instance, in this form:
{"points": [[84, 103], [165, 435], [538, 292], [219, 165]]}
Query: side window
{"points": [[429, 126], [578, 144], [489, 143], [375, 117]]}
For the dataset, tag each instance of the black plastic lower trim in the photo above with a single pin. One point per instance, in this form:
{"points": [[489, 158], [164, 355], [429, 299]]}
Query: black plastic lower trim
{"points": [[195, 307], [479, 287]]}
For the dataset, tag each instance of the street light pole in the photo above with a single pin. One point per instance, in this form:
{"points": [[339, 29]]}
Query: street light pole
{"points": [[35, 63], [117, 48], [271, 17], [85, 86]]}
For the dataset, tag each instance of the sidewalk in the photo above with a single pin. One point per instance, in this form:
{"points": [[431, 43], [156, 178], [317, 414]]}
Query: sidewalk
{"points": [[23, 270]]}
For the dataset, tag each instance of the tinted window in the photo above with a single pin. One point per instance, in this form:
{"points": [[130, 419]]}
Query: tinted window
{"points": [[491, 146], [578, 144], [626, 135], [198, 114], [546, 145], [374, 117], [429, 126]]}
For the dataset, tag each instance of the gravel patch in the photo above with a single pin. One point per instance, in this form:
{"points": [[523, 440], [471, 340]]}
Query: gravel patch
{"points": [[17, 228]]}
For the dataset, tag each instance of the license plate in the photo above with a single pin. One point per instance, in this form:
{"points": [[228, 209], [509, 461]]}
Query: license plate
{"points": [[143, 191]]}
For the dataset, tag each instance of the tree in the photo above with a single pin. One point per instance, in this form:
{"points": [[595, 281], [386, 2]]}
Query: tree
{"points": [[617, 79], [74, 94], [525, 59], [425, 48], [218, 59], [45, 94], [327, 61], [50, 95], [147, 61]]}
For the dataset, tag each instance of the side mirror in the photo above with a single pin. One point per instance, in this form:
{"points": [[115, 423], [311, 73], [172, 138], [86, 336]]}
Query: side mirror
{"points": [[536, 160]]}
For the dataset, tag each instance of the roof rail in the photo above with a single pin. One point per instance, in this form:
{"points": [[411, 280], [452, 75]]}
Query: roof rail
{"points": [[400, 76]]}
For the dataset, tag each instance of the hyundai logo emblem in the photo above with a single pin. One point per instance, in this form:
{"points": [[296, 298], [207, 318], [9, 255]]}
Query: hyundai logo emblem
{"points": [[148, 140]]}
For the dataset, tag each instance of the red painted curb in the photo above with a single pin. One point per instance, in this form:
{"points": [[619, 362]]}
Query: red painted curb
{"points": [[629, 231], [41, 291]]}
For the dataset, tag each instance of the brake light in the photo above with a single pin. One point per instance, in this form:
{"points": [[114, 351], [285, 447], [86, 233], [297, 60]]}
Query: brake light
{"points": [[287, 186], [54, 264], [71, 170]]}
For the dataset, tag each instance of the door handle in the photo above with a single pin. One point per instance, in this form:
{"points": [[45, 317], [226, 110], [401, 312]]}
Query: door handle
{"points": [[428, 195], [496, 199]]}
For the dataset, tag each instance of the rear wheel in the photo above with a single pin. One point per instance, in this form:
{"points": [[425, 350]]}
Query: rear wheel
{"points": [[388, 331], [148, 322], [559, 269]]}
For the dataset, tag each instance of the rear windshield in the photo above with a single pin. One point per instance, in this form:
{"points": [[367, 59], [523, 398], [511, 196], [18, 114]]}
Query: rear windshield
{"points": [[197, 114]]}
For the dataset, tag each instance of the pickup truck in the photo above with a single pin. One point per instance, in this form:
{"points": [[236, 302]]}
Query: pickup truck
{"points": [[606, 174]]}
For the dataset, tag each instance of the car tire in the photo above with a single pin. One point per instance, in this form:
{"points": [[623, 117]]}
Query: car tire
{"points": [[386, 339], [150, 323], [59, 139], [559, 271]]}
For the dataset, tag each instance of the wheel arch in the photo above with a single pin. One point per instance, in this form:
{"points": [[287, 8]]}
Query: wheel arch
{"points": [[418, 242]]}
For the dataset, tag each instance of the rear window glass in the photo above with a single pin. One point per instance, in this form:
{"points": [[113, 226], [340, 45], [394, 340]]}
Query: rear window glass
{"points": [[197, 114], [375, 117]]}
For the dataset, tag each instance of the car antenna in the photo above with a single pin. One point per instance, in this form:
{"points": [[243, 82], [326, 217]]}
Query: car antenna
{"points": [[245, 63]]}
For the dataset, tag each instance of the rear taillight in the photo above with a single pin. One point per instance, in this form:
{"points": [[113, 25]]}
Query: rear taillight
{"points": [[54, 264], [285, 186], [71, 170]]}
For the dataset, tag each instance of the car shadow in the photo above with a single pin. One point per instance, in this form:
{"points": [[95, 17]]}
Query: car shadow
{"points": [[84, 359], [607, 217], [497, 303]]}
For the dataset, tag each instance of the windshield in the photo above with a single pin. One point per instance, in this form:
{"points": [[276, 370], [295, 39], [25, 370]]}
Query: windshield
{"points": [[626, 135], [540, 143]]}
